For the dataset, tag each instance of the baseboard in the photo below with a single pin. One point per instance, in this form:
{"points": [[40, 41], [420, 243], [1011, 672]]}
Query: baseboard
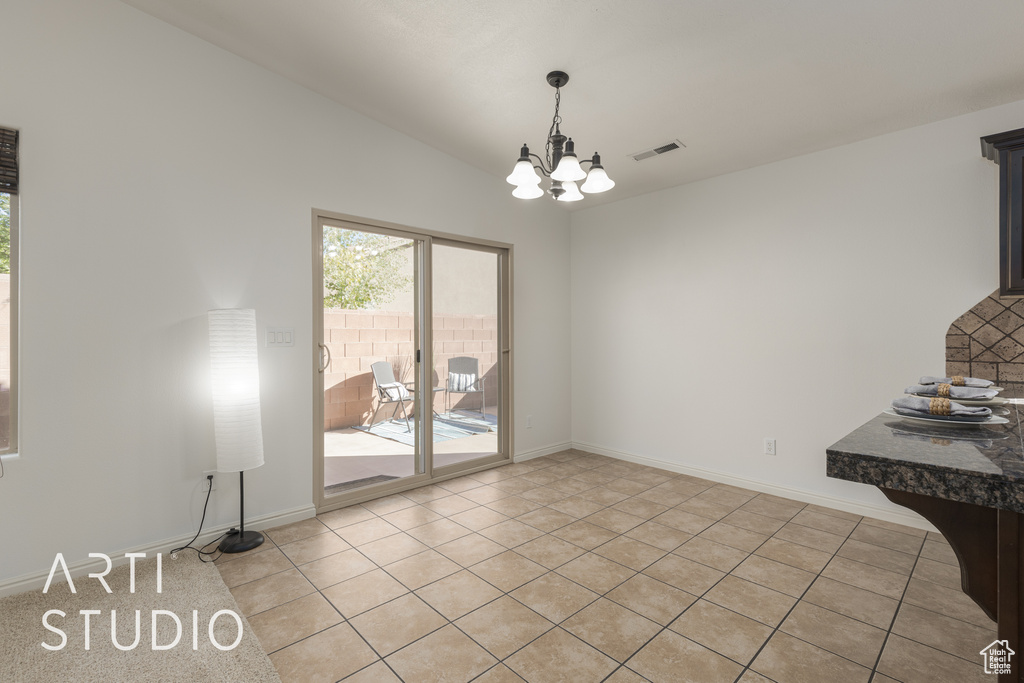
{"points": [[897, 516], [542, 451], [78, 568]]}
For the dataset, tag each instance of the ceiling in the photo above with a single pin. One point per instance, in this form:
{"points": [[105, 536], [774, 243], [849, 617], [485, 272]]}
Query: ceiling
{"points": [[739, 82]]}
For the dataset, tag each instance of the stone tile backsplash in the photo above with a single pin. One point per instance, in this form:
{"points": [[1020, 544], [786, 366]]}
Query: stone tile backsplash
{"points": [[988, 342]]}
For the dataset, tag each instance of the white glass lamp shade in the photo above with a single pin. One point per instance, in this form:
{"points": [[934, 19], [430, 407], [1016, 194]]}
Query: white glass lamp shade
{"points": [[523, 174], [597, 181], [235, 377], [572, 193], [569, 169], [528, 191]]}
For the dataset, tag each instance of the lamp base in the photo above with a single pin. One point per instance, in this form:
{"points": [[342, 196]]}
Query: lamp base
{"points": [[236, 542]]}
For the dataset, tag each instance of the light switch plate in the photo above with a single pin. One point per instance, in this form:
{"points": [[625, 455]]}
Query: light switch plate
{"points": [[277, 337]]}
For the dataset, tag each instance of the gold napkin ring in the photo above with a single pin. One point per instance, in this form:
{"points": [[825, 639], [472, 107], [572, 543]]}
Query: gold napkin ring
{"points": [[957, 381], [938, 406], [943, 390]]}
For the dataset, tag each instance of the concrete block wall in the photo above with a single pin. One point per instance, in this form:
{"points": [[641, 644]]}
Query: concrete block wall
{"points": [[357, 339]]}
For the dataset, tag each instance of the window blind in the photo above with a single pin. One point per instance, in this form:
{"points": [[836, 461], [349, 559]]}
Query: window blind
{"points": [[8, 161]]}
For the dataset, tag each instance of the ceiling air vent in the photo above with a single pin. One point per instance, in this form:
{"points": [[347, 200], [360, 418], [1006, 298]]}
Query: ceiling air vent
{"points": [[660, 149]]}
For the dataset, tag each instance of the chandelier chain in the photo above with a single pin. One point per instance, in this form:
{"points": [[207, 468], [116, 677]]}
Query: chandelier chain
{"points": [[555, 120]]}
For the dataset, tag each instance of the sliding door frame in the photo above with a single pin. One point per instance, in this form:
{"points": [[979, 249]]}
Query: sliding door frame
{"points": [[504, 254], [421, 338]]}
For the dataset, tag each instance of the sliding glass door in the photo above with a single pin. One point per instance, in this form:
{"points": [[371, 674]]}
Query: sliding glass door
{"points": [[466, 352], [413, 364]]}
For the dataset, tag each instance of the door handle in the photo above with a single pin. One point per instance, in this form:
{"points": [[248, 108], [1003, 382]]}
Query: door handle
{"points": [[323, 363]]}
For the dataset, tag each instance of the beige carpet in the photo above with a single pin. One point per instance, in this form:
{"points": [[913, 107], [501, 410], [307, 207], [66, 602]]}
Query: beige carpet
{"points": [[188, 585]]}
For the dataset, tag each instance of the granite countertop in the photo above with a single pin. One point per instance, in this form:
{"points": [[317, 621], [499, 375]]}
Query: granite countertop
{"points": [[982, 465]]}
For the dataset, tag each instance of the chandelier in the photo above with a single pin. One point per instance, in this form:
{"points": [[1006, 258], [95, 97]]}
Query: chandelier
{"points": [[560, 162]]}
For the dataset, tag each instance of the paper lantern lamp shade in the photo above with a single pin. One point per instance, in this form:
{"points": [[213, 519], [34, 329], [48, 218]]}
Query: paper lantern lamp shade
{"points": [[236, 389]]}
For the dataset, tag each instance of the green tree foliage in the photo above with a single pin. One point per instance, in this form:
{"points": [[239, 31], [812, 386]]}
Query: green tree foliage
{"points": [[5, 233], [362, 270]]}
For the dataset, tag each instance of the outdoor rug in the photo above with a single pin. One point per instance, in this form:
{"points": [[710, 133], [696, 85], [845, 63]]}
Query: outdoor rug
{"points": [[396, 431], [469, 420]]}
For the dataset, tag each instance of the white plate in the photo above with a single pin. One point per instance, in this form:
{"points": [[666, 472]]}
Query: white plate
{"points": [[938, 420], [976, 436], [993, 388], [994, 401]]}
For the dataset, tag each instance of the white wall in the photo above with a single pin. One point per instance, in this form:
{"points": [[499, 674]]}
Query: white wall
{"points": [[792, 301], [162, 177]]}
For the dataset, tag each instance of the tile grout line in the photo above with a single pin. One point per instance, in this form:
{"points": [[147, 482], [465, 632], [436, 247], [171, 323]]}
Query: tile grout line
{"points": [[667, 627], [896, 614], [452, 622], [635, 572], [751, 553], [345, 620], [462, 568], [602, 506], [557, 625], [888, 631], [775, 630], [501, 661], [930, 611]]}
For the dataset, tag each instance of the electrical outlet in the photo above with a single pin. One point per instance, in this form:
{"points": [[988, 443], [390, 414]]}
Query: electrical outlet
{"points": [[529, 421], [213, 484], [769, 446]]}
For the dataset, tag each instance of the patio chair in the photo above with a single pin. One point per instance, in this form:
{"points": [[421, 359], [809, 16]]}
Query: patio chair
{"points": [[464, 378], [389, 390]]}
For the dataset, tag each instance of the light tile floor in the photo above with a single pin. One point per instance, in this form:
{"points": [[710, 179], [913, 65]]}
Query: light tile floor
{"points": [[577, 567]]}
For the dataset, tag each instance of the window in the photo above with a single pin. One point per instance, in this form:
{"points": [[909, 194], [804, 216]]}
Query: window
{"points": [[8, 290]]}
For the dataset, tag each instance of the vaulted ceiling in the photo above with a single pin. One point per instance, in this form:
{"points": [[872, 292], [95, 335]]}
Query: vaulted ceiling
{"points": [[739, 82]]}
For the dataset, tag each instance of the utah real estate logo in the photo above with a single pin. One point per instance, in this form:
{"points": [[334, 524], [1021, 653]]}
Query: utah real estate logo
{"points": [[997, 657]]}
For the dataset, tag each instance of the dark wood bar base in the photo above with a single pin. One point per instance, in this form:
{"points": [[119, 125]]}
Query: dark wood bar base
{"points": [[1011, 585], [972, 531], [988, 544]]}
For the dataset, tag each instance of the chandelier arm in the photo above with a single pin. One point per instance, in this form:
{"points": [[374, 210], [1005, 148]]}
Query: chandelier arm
{"points": [[541, 167]]}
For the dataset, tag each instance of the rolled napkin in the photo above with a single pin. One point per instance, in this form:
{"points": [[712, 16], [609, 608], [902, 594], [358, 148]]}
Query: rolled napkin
{"points": [[950, 391], [919, 406], [958, 381]]}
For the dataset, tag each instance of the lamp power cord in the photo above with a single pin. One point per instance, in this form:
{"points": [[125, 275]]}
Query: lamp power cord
{"points": [[202, 552]]}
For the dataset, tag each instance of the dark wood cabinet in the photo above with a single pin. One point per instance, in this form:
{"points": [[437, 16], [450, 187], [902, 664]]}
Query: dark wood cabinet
{"points": [[1007, 150]]}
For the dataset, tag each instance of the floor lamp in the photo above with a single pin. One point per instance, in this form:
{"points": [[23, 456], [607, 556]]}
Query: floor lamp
{"points": [[236, 408]]}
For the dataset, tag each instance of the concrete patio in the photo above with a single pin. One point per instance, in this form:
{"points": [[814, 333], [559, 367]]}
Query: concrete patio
{"points": [[353, 455]]}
